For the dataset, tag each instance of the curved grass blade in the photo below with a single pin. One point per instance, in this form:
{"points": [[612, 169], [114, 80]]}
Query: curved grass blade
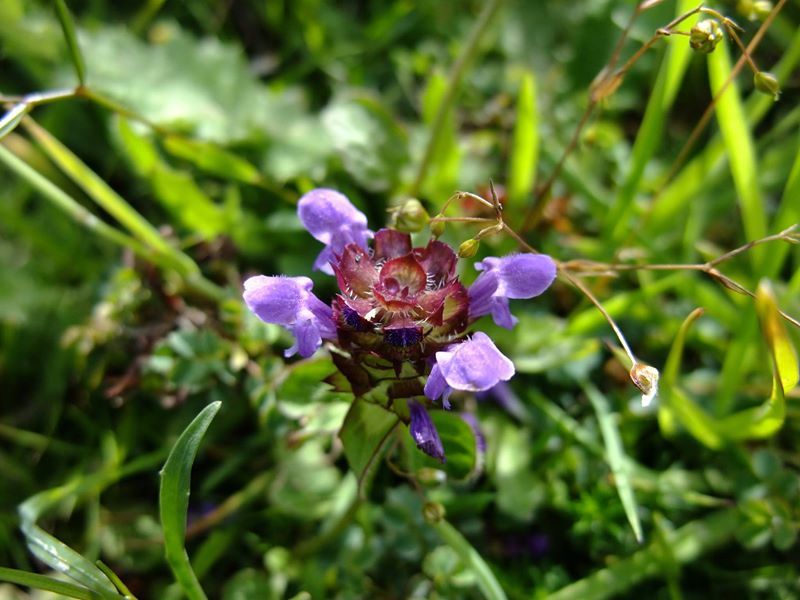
{"points": [[472, 560], [68, 27], [174, 500], [48, 584], [12, 118], [617, 459]]}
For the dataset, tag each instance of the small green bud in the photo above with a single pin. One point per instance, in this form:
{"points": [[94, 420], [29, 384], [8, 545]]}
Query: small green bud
{"points": [[469, 248], [433, 512], [437, 227], [705, 36], [411, 216], [767, 83], [754, 10]]}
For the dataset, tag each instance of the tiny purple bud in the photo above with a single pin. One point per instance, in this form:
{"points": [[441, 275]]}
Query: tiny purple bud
{"points": [[423, 431], [288, 301], [513, 276], [333, 220], [474, 365]]}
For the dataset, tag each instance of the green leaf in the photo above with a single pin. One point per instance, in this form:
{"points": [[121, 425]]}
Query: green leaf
{"points": [[767, 418], [41, 582], [525, 143], [616, 457], [174, 499], [211, 158], [445, 156], [472, 559], [733, 125], [201, 87], [365, 430], [373, 149], [68, 27]]}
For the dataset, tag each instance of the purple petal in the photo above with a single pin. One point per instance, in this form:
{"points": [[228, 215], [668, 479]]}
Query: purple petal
{"points": [[390, 243], [521, 275], [435, 386], [501, 313], [481, 293], [288, 301], [423, 431], [333, 220], [276, 299], [474, 365], [480, 439]]}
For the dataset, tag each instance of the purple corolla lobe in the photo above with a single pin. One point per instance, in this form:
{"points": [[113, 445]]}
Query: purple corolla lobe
{"points": [[333, 220], [289, 301]]}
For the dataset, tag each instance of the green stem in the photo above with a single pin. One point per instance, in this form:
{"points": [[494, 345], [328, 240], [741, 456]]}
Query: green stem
{"points": [[487, 582], [453, 85], [685, 545]]}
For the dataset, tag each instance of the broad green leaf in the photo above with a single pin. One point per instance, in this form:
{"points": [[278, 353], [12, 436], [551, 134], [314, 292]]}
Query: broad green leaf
{"points": [[41, 582], [202, 87], [364, 432], [525, 143], [372, 148], [68, 27], [211, 158], [616, 457], [178, 193], [174, 499]]}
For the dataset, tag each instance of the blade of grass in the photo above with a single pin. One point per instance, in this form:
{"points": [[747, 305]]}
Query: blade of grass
{"points": [[48, 584], [616, 457], [686, 544], [12, 118], [650, 132], [672, 201], [524, 154], [788, 213], [68, 27], [735, 131], [472, 559], [174, 500]]}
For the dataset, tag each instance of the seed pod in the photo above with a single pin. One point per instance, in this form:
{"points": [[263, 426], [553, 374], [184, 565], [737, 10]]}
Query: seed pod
{"points": [[767, 83], [437, 227], [433, 512], [705, 36], [411, 216], [645, 378], [469, 248]]}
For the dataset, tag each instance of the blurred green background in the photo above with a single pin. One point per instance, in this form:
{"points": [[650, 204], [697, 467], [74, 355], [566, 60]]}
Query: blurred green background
{"points": [[132, 209]]}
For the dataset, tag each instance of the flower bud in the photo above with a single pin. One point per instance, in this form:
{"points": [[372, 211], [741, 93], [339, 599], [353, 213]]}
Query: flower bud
{"points": [[411, 216], [437, 227], [754, 10], [433, 512], [469, 248], [645, 378], [705, 36], [767, 83]]}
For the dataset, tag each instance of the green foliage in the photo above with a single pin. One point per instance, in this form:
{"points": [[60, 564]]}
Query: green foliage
{"points": [[135, 204]]}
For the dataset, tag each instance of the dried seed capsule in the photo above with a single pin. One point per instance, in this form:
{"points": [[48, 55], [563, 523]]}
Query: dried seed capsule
{"points": [[705, 36], [645, 378]]}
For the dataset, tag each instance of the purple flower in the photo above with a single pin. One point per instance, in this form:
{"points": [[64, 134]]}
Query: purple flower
{"points": [[513, 276], [474, 365], [424, 431], [333, 220], [288, 301]]}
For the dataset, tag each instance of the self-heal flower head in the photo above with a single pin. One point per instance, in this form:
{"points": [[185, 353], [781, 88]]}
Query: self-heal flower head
{"points": [[288, 301], [333, 220], [423, 431], [514, 276], [474, 365]]}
